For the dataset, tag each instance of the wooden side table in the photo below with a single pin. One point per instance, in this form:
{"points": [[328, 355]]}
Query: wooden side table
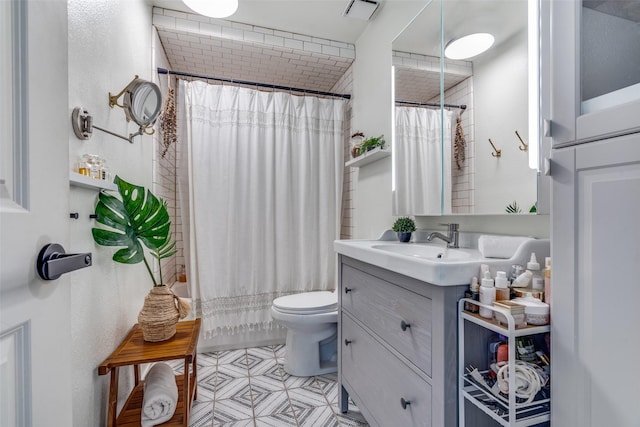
{"points": [[134, 350]]}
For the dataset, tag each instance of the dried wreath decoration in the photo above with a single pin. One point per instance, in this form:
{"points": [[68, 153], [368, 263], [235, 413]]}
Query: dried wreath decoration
{"points": [[460, 144], [168, 123]]}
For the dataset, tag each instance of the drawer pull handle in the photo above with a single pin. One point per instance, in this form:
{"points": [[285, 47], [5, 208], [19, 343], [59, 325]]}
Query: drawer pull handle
{"points": [[347, 342], [347, 290], [404, 403], [404, 325]]}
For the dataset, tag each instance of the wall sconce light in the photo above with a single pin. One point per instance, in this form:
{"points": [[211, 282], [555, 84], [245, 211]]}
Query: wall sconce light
{"points": [[213, 8], [142, 102]]}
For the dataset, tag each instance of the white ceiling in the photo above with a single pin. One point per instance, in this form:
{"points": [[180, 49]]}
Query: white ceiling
{"points": [[316, 18], [250, 61]]}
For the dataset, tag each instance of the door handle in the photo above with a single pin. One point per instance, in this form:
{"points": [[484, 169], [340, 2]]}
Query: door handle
{"points": [[53, 262]]}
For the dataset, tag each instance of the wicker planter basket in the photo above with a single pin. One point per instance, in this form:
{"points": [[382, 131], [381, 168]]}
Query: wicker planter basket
{"points": [[160, 314]]}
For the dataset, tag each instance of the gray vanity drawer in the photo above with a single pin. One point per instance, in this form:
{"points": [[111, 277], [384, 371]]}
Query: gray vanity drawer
{"points": [[381, 380], [383, 307]]}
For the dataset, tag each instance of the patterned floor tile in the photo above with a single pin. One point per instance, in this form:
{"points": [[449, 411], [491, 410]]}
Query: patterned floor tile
{"points": [[329, 387], [353, 417], [235, 387], [242, 423], [271, 404], [237, 408], [262, 352], [261, 384], [207, 359], [280, 350], [278, 420], [230, 356], [319, 416], [262, 366], [292, 381], [274, 372], [207, 379], [201, 414], [234, 370], [308, 397]]}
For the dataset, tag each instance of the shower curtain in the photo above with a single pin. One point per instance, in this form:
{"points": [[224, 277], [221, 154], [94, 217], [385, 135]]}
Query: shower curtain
{"points": [[265, 181], [422, 163]]}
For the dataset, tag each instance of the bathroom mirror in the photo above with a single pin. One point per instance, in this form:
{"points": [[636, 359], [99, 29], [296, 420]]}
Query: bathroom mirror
{"points": [[491, 177], [142, 102]]}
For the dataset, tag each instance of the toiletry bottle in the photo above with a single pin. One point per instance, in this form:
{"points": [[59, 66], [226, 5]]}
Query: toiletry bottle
{"points": [[547, 280], [502, 286], [523, 280], [487, 295], [472, 293], [537, 281]]}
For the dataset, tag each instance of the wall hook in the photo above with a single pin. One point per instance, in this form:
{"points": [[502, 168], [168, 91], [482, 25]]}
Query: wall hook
{"points": [[523, 146], [496, 151]]}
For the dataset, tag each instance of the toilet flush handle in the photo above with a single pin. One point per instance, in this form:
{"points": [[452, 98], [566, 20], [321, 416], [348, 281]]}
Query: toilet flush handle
{"points": [[347, 290], [347, 342]]}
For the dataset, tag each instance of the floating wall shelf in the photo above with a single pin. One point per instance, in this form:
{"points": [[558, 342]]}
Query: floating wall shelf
{"points": [[368, 157], [77, 180]]}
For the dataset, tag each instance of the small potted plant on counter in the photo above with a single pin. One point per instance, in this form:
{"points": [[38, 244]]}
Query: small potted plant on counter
{"points": [[403, 227]]}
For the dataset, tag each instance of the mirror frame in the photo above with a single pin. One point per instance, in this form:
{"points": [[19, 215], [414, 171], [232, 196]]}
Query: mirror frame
{"points": [[132, 99]]}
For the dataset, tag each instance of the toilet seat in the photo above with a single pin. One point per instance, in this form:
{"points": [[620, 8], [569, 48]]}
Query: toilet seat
{"points": [[307, 303]]}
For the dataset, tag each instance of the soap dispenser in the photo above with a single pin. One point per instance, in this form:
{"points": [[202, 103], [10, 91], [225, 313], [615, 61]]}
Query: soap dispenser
{"points": [[487, 295]]}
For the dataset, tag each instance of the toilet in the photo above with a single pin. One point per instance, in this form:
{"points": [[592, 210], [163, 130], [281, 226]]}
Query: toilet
{"points": [[311, 319]]}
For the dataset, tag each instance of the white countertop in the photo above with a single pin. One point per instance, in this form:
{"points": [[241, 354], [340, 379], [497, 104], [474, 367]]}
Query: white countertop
{"points": [[457, 266]]}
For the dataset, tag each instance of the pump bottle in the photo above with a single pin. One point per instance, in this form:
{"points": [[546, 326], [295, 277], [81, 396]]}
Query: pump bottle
{"points": [[537, 281], [487, 295]]}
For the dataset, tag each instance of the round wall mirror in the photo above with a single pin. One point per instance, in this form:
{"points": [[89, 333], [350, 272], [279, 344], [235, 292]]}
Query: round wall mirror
{"points": [[142, 102]]}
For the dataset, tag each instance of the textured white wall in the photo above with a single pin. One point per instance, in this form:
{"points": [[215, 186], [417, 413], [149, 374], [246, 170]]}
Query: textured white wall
{"points": [[372, 104], [109, 43], [501, 108]]}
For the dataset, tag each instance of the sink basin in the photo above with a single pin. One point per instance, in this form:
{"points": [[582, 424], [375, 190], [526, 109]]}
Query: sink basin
{"points": [[433, 252]]}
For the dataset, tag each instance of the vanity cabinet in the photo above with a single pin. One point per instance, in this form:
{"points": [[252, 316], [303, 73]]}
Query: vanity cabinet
{"points": [[397, 349]]}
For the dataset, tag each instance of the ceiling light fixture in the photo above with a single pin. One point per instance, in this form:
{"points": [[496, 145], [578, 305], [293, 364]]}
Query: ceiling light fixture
{"points": [[468, 46], [213, 8]]}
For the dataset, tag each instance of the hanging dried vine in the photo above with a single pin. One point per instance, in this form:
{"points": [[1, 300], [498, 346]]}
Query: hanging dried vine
{"points": [[168, 125], [460, 144]]}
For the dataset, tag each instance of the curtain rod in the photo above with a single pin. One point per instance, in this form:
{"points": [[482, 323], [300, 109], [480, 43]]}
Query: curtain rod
{"points": [[432, 104], [245, 82]]}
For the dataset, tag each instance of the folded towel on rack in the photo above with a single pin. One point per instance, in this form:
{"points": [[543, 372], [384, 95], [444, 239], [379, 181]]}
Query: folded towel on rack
{"points": [[500, 246], [160, 395]]}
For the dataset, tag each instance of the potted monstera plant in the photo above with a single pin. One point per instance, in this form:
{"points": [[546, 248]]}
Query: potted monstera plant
{"points": [[136, 220]]}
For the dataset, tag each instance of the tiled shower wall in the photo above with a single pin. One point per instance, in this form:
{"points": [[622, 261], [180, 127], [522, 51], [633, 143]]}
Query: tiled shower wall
{"points": [[463, 179], [347, 225]]}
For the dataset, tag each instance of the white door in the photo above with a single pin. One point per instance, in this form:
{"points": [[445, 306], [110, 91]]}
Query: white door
{"points": [[35, 372]]}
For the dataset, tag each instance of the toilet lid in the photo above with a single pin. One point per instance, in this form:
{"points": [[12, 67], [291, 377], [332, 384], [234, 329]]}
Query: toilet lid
{"points": [[307, 303]]}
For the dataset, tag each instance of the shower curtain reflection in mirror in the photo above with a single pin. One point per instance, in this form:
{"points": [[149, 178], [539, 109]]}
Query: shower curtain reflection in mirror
{"points": [[422, 161], [264, 173]]}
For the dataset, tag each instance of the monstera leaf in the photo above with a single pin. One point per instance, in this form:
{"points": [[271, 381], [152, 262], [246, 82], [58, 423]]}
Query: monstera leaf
{"points": [[138, 218]]}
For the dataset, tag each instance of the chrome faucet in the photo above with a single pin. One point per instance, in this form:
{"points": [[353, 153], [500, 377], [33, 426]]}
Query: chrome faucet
{"points": [[451, 238]]}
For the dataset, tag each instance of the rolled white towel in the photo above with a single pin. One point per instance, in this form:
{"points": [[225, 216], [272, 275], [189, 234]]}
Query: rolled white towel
{"points": [[500, 246], [160, 395]]}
